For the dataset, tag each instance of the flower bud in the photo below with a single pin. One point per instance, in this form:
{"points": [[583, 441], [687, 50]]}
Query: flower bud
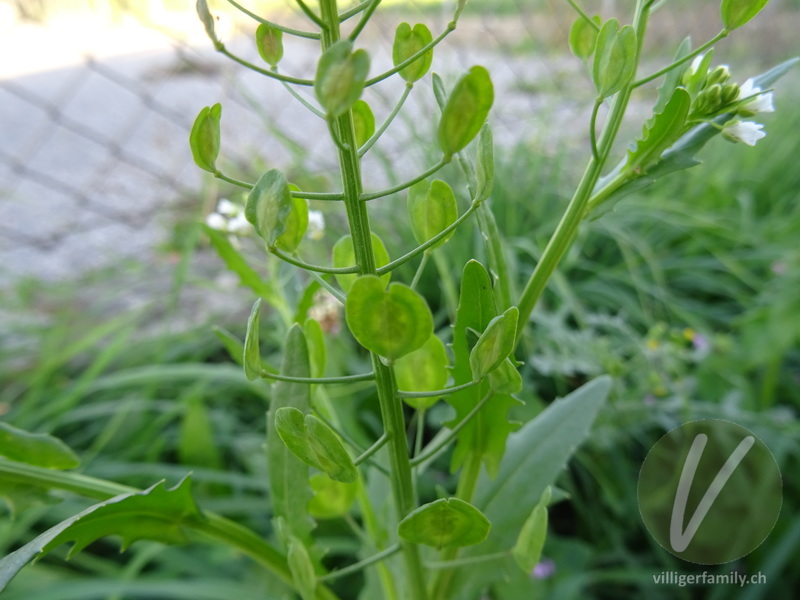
{"points": [[730, 92], [720, 74]]}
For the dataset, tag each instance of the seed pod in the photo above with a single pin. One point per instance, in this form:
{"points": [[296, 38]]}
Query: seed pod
{"points": [[408, 42], [268, 206], [614, 58], [269, 41], [583, 37], [363, 122], [466, 110], [204, 139], [340, 77], [432, 208]]}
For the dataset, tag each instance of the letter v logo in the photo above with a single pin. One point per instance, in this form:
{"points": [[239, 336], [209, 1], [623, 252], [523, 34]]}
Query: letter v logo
{"points": [[680, 540]]}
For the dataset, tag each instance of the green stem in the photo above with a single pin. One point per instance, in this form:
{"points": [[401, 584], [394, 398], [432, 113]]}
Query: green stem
{"points": [[388, 121], [568, 226], [352, 12], [423, 247], [362, 564], [379, 443], [593, 128], [469, 560], [362, 22], [420, 269], [310, 14], [445, 441], [296, 32], [406, 184], [299, 97], [391, 407], [309, 267], [327, 196], [318, 380], [583, 15], [214, 526], [722, 34], [340, 296], [271, 74], [242, 184], [437, 393]]}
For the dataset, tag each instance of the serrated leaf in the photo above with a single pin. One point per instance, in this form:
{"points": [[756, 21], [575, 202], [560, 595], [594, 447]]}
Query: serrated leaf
{"points": [[252, 349], [466, 110], [486, 434], [583, 37], [407, 42], [268, 206], [445, 523], [269, 41], [495, 344], [528, 549], [432, 208], [423, 370], [340, 77], [614, 58], [344, 255], [485, 164], [736, 13], [157, 513], [332, 499], [389, 322], [40, 449], [288, 475], [204, 138], [363, 122], [661, 131], [534, 457]]}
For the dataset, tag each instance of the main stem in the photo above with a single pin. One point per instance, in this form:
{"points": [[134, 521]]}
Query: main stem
{"points": [[390, 405], [568, 226]]}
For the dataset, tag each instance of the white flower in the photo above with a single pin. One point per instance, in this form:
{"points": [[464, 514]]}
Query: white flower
{"points": [[228, 208], [239, 225], [761, 103], [217, 221], [746, 132], [316, 224]]}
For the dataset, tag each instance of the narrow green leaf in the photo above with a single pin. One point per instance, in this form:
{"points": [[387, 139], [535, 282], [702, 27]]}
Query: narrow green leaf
{"points": [[232, 344], [315, 338], [330, 454], [252, 349], [661, 131], [583, 37], [18, 497], [390, 322], [295, 225], [485, 164], [528, 549], [196, 444], [407, 42], [204, 139], [423, 370], [614, 58], [340, 77], [302, 569], [344, 255], [269, 42], [534, 457], [268, 206], [445, 523], [289, 490], [40, 449], [363, 122], [236, 263], [736, 13], [466, 110], [495, 344], [332, 499], [290, 423], [673, 78], [432, 208]]}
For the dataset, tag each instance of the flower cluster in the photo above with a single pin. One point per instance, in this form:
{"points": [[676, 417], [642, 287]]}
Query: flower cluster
{"points": [[229, 217]]}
